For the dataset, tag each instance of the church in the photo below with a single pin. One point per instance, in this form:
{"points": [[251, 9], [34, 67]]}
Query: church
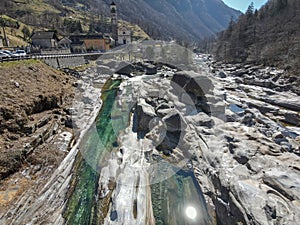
{"points": [[121, 35]]}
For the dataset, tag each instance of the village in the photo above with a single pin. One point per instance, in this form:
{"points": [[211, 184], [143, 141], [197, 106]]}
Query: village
{"points": [[48, 42]]}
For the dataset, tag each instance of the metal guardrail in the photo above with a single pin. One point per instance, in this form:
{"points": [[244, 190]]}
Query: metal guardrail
{"points": [[48, 56]]}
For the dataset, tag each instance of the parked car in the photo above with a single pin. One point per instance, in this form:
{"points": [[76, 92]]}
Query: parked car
{"points": [[4, 55], [19, 53], [6, 52]]}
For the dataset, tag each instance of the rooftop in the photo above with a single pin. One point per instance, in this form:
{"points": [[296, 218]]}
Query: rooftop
{"points": [[86, 36], [44, 35]]}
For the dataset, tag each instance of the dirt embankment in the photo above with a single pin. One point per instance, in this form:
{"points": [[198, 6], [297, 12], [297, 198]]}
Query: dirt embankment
{"points": [[34, 104]]}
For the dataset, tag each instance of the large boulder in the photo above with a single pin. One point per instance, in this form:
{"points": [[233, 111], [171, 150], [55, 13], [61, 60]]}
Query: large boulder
{"points": [[150, 69], [144, 114], [192, 89], [174, 122], [174, 125], [181, 78], [125, 69], [193, 82], [199, 85]]}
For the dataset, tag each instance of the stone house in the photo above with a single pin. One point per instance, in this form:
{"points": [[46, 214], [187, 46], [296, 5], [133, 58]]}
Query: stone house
{"points": [[95, 42], [78, 47], [124, 35], [65, 43], [44, 39]]}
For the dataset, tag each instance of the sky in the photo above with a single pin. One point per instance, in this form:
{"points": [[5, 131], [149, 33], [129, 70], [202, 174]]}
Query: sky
{"points": [[242, 5]]}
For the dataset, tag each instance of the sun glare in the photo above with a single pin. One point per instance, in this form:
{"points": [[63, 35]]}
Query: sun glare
{"points": [[191, 212]]}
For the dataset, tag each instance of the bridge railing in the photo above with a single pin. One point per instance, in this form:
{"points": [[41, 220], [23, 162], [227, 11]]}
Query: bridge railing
{"points": [[50, 56]]}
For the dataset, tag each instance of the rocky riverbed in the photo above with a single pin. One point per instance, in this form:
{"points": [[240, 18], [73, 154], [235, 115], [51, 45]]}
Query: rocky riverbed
{"points": [[238, 126], [240, 137], [230, 133], [253, 170]]}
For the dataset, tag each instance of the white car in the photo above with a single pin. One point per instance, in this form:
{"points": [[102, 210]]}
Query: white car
{"points": [[4, 55], [19, 53], [7, 52]]}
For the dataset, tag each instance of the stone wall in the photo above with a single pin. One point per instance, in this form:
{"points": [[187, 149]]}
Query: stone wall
{"points": [[56, 51], [65, 62]]}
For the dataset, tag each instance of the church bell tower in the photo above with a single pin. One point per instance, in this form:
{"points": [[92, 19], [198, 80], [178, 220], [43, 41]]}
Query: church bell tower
{"points": [[114, 22]]}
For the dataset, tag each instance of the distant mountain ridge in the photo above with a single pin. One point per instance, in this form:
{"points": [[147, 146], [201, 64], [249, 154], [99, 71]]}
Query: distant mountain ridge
{"points": [[167, 19], [188, 20]]}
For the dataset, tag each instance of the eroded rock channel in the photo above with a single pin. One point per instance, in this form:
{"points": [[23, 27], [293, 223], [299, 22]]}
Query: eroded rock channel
{"points": [[206, 146], [136, 184], [203, 145]]}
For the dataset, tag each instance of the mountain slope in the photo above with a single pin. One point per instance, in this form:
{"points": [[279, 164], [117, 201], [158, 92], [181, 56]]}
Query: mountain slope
{"points": [[270, 36], [63, 15], [186, 20]]}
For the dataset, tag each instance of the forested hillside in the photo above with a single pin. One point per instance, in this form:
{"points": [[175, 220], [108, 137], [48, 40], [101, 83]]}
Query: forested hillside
{"points": [[270, 36]]}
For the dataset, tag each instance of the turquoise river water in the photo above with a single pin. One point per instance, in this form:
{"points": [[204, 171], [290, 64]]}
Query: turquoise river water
{"points": [[177, 200]]}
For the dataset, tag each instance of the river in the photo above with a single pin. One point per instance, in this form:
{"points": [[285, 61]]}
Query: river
{"points": [[177, 200]]}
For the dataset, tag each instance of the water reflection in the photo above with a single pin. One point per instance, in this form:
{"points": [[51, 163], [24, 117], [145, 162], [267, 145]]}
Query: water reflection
{"points": [[178, 200], [191, 212]]}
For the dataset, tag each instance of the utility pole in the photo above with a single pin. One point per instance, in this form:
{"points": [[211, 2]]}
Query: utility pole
{"points": [[4, 33]]}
